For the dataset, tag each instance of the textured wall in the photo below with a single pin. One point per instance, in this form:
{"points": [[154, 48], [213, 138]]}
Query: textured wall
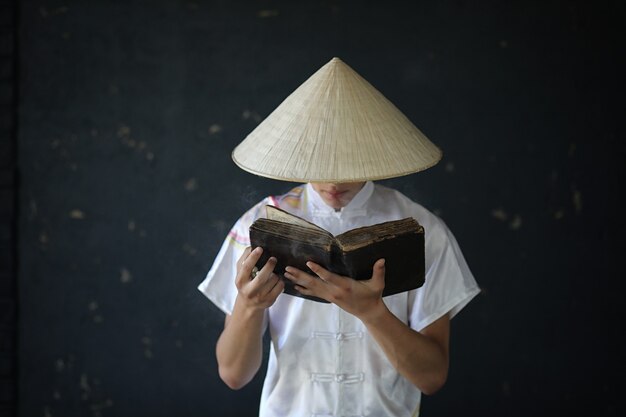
{"points": [[130, 109], [8, 210]]}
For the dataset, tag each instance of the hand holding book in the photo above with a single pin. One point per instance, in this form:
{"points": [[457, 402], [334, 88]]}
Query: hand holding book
{"points": [[293, 242], [257, 290], [358, 297]]}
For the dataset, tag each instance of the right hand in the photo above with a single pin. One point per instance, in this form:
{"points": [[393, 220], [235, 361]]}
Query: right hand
{"points": [[262, 291]]}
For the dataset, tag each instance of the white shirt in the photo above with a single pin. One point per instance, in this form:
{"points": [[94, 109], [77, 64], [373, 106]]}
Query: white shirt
{"points": [[323, 361]]}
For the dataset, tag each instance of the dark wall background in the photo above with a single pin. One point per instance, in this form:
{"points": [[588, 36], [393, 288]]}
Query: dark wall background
{"points": [[8, 211], [128, 112]]}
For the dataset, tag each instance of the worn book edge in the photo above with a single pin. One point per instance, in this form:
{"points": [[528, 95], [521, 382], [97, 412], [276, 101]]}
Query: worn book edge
{"points": [[354, 238]]}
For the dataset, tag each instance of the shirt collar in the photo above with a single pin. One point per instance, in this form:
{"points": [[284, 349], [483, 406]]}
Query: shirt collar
{"points": [[355, 207]]}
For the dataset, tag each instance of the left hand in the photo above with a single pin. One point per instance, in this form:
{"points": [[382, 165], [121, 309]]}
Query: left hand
{"points": [[361, 298]]}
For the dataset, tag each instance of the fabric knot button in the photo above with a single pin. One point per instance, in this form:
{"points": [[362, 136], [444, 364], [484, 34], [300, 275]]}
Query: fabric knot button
{"points": [[340, 378]]}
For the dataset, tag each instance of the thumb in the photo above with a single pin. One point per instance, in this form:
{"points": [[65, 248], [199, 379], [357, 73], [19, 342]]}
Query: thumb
{"points": [[378, 272]]}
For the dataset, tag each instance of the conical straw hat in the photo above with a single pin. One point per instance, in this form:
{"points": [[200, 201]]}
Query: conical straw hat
{"points": [[335, 127]]}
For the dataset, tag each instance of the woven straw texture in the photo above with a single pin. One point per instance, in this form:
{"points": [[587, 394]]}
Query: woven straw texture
{"points": [[335, 127]]}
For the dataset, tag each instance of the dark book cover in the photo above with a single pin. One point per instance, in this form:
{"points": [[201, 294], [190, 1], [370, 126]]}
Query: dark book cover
{"points": [[351, 254]]}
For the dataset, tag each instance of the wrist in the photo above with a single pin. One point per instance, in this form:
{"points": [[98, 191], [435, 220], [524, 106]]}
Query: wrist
{"points": [[247, 310], [375, 314]]}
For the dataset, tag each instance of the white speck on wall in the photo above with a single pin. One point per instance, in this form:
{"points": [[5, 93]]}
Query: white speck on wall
{"points": [[499, 214], [140, 146], [77, 214], [214, 128], [577, 200], [93, 308], [147, 343], [191, 184], [33, 210], [249, 114], [59, 365], [125, 276], [84, 385], [516, 223], [123, 131], [264, 14]]}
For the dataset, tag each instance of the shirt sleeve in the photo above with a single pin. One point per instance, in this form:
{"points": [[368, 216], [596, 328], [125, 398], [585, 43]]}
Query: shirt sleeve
{"points": [[449, 283], [219, 284]]}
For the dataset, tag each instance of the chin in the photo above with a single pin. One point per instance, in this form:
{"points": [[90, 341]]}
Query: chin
{"points": [[334, 203]]}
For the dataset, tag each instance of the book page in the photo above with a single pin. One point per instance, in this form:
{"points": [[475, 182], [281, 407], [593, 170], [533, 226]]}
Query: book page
{"points": [[274, 213]]}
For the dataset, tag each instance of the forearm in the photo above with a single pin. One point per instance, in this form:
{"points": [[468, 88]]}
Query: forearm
{"points": [[239, 349], [419, 358]]}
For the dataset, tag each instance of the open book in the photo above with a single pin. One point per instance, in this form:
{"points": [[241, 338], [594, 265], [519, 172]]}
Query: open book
{"points": [[294, 241]]}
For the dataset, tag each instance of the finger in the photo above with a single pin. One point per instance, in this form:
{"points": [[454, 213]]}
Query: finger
{"points": [[306, 291], [263, 287], [325, 274], [243, 256], [265, 278], [268, 268], [301, 278], [378, 273], [277, 289], [247, 264]]}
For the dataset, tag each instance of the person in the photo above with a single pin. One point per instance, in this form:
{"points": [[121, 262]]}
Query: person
{"points": [[361, 354]]}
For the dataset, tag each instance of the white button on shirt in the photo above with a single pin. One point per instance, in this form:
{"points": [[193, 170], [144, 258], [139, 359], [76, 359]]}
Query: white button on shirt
{"points": [[323, 362]]}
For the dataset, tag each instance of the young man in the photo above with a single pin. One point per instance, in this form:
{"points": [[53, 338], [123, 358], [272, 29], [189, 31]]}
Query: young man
{"points": [[361, 354]]}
